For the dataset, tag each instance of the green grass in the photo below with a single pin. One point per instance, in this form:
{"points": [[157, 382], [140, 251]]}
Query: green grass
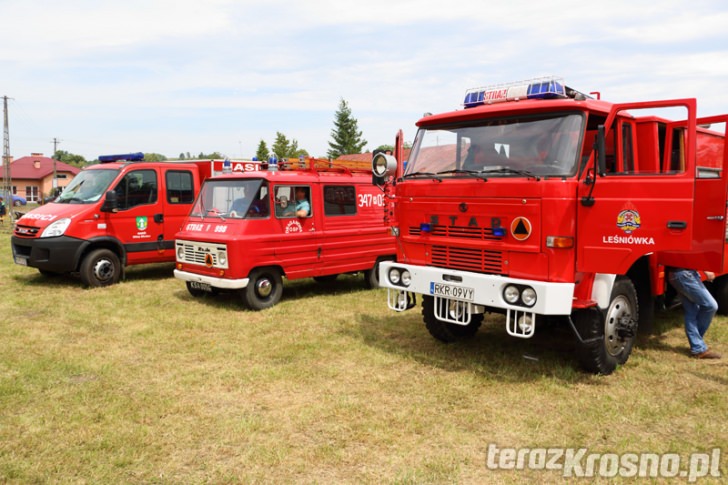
{"points": [[141, 383]]}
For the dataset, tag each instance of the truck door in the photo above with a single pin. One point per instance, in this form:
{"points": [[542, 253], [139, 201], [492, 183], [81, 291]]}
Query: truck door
{"points": [[646, 200], [137, 223], [177, 196], [296, 213], [709, 211]]}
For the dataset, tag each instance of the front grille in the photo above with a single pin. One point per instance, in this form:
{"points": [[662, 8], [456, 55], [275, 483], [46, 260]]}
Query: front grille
{"points": [[26, 231], [462, 232], [466, 259], [198, 253]]}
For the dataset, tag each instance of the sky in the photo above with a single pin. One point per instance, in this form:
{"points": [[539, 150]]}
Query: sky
{"points": [[174, 76]]}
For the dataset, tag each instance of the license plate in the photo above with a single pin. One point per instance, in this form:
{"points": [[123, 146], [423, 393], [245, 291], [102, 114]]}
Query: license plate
{"points": [[21, 261], [196, 285], [451, 291]]}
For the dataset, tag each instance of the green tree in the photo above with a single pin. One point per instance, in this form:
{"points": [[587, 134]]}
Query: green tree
{"points": [[210, 156], [346, 135], [69, 158], [285, 148], [384, 148], [181, 156], [154, 157], [262, 152]]}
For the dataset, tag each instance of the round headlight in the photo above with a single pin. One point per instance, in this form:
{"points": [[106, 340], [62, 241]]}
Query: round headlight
{"points": [[511, 294], [383, 165], [406, 278], [394, 276], [222, 258], [528, 297], [180, 253]]}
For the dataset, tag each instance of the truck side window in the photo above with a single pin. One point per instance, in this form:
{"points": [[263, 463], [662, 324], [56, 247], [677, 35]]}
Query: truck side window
{"points": [[339, 200], [180, 189], [293, 201], [137, 188]]}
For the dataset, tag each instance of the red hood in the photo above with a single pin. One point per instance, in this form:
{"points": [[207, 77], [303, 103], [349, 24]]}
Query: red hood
{"points": [[46, 214]]}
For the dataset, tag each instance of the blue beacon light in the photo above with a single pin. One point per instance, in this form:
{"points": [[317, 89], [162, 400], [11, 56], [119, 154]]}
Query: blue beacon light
{"points": [[540, 88], [425, 227]]}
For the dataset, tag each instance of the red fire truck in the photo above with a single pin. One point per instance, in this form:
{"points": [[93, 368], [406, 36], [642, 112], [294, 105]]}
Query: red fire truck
{"points": [[120, 212], [546, 204], [247, 231]]}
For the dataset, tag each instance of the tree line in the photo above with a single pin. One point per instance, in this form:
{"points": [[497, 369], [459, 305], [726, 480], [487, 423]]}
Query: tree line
{"points": [[346, 138]]}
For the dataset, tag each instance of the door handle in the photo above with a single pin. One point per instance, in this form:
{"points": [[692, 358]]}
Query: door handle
{"points": [[158, 218], [715, 218], [677, 224]]}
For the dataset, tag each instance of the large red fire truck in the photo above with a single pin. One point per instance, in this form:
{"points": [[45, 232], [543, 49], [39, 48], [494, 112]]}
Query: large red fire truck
{"points": [[247, 231], [120, 212], [543, 203]]}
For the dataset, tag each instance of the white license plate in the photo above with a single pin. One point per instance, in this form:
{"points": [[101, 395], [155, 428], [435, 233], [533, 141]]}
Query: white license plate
{"points": [[451, 291], [196, 285], [21, 261]]}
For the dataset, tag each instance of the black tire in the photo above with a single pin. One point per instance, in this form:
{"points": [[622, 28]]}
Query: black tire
{"points": [[197, 293], [100, 267], [371, 277], [616, 329], [264, 288], [445, 331], [719, 289], [327, 279]]}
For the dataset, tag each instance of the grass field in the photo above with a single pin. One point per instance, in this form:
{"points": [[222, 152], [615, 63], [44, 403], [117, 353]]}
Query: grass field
{"points": [[141, 383]]}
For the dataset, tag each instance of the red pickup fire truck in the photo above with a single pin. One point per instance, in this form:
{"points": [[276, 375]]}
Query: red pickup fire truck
{"points": [[247, 231], [120, 212], [543, 203]]}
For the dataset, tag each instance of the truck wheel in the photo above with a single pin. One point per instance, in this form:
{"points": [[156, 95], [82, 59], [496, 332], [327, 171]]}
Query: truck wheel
{"points": [[445, 331], [100, 267], [264, 289], [197, 293], [720, 293], [329, 278], [371, 277], [616, 329]]}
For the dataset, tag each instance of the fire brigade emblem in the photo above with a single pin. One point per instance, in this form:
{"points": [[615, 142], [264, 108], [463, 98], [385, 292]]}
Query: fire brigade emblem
{"points": [[629, 221], [141, 223]]}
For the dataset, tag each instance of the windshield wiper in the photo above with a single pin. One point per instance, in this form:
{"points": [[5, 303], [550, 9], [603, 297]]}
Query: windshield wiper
{"points": [[505, 170], [476, 173], [423, 174]]}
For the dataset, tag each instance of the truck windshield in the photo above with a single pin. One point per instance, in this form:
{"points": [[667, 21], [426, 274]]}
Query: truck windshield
{"points": [[233, 198], [87, 187], [516, 146]]}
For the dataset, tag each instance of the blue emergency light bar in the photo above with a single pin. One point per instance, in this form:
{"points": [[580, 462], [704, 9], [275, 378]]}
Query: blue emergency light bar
{"points": [[129, 157], [540, 88]]}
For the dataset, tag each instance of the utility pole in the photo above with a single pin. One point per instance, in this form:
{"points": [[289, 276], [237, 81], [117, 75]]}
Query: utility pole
{"points": [[7, 179], [54, 184]]}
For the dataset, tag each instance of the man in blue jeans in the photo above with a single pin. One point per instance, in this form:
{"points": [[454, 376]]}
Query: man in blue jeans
{"points": [[699, 307]]}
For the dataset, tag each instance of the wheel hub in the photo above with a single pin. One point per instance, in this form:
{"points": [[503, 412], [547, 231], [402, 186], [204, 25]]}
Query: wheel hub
{"points": [[263, 287], [103, 269], [619, 325]]}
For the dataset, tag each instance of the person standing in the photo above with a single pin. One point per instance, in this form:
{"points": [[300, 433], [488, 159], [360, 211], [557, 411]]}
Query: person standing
{"points": [[699, 307]]}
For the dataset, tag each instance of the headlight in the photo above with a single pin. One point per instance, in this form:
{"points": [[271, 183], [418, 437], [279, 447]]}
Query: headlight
{"points": [[394, 277], [57, 228], [384, 165], [180, 253], [222, 258], [511, 294], [406, 278], [528, 297]]}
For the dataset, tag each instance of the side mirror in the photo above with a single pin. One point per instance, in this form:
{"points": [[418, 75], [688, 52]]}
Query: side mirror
{"points": [[111, 202], [601, 151]]}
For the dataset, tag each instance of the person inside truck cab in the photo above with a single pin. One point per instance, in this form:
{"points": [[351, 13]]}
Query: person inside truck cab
{"points": [[303, 208], [482, 155]]}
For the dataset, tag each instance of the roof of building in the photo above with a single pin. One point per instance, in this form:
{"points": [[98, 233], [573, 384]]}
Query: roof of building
{"points": [[26, 168]]}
